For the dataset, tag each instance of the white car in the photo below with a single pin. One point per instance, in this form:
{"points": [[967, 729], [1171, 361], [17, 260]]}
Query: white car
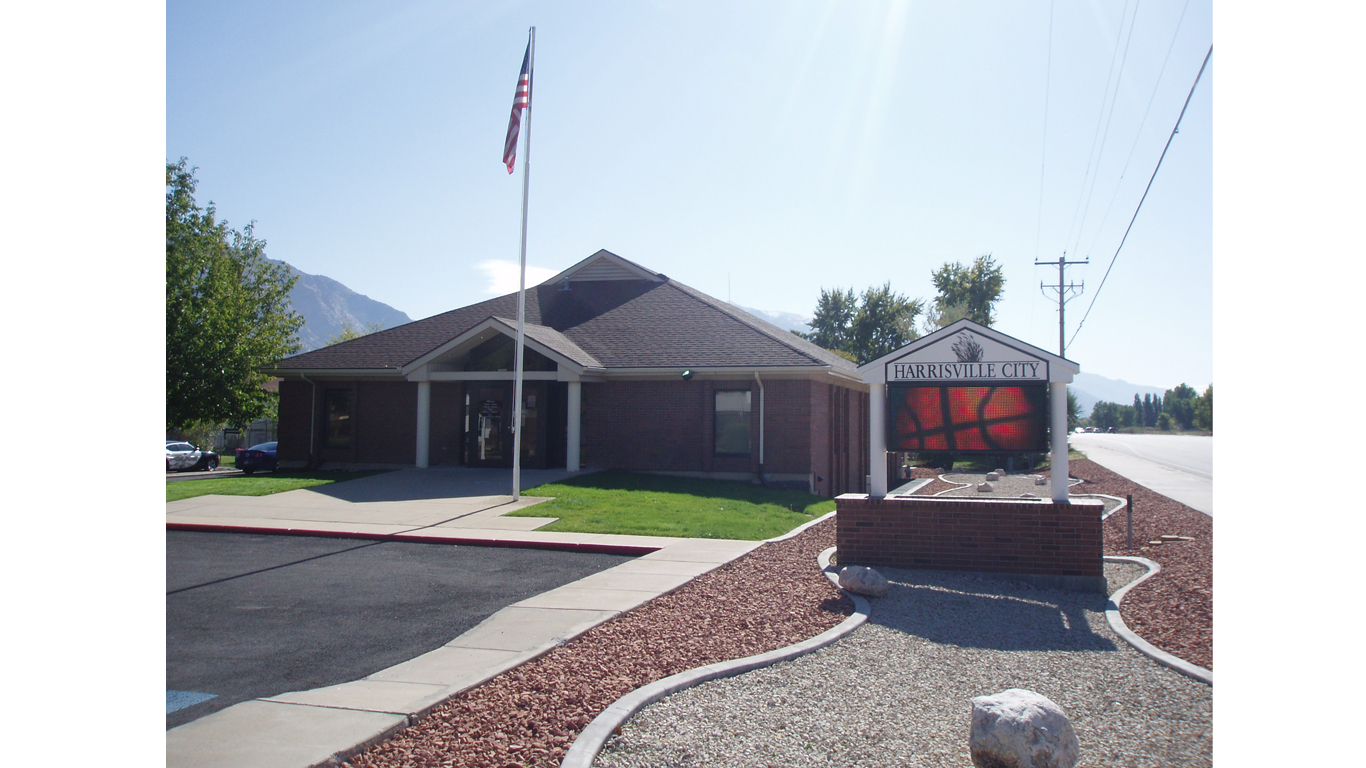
{"points": [[181, 456]]}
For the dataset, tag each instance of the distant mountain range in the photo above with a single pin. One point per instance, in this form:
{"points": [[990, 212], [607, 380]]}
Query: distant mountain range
{"points": [[327, 306], [1091, 389], [790, 321]]}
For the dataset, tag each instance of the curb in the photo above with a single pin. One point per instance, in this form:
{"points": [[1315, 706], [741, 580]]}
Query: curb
{"points": [[1122, 502], [1143, 646], [585, 748], [413, 538]]}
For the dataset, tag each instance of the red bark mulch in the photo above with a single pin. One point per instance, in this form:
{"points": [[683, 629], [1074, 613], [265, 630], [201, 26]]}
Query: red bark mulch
{"points": [[1173, 610]]}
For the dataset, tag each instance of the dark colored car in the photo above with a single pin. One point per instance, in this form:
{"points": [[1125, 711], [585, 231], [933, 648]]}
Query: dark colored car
{"points": [[183, 457], [260, 456]]}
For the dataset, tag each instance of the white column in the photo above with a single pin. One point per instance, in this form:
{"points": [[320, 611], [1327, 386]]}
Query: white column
{"points": [[571, 451], [424, 421], [877, 439], [1058, 392]]}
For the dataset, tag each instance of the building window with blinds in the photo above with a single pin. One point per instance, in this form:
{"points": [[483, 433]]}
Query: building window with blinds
{"points": [[732, 423]]}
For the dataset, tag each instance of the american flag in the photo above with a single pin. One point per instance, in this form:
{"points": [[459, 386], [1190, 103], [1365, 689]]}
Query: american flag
{"points": [[520, 101]]}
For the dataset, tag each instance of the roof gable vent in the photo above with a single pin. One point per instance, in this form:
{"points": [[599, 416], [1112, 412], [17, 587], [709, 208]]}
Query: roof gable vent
{"points": [[604, 265]]}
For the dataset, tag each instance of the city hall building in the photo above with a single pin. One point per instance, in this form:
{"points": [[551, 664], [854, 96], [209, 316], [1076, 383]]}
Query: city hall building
{"points": [[624, 369]]}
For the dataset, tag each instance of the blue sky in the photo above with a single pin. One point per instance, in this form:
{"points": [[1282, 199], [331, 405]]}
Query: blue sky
{"points": [[756, 151]]}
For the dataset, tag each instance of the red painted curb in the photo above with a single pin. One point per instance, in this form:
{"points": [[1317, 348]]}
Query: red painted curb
{"points": [[411, 538]]}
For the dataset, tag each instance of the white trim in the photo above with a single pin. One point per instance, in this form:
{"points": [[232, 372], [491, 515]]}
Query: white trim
{"points": [[487, 376], [478, 332], [336, 373]]}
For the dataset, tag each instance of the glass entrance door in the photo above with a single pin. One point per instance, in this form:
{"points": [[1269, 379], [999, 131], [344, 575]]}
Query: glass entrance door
{"points": [[489, 439]]}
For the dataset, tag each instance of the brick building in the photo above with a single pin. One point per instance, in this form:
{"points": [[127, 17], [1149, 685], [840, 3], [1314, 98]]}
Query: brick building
{"points": [[624, 369]]}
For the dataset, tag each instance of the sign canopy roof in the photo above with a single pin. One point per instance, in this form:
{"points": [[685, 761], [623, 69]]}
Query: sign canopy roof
{"points": [[965, 352]]}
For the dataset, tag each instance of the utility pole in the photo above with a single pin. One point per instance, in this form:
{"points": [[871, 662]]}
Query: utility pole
{"points": [[1063, 289]]}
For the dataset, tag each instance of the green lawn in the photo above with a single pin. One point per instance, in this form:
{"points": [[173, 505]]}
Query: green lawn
{"points": [[256, 485], [656, 505]]}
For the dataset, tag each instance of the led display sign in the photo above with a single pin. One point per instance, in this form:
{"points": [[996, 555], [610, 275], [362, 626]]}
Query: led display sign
{"points": [[967, 418]]}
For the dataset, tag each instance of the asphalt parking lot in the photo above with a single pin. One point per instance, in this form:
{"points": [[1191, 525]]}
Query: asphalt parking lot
{"points": [[252, 615]]}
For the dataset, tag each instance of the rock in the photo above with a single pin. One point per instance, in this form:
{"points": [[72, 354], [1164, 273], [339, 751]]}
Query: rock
{"points": [[999, 471], [863, 581], [984, 487], [1028, 496], [1040, 480], [1021, 729], [996, 475]]}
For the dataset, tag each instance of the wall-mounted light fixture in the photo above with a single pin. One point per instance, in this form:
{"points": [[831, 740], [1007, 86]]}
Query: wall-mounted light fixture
{"points": [[687, 375]]}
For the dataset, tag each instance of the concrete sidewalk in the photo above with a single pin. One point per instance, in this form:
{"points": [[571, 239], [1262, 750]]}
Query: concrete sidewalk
{"points": [[307, 728]]}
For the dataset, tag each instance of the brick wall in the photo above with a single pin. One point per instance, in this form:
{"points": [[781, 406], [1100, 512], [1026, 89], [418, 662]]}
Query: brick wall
{"points": [[295, 400], [386, 422], [645, 425], [1036, 537]]}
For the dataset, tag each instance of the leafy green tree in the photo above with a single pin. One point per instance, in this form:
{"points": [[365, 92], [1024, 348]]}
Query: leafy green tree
{"points": [[1105, 415], [967, 291], [1179, 402], [1073, 410], [1203, 407], [348, 332], [228, 313], [832, 324], [867, 327]]}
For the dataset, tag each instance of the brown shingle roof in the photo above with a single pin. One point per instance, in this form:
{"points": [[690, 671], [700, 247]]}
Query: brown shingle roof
{"points": [[609, 324]]}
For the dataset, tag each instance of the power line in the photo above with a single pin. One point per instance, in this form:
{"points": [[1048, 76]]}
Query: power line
{"points": [[1114, 99], [1145, 194], [1139, 135], [1090, 153]]}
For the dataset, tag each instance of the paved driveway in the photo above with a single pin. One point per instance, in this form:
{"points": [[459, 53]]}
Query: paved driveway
{"points": [[250, 616]]}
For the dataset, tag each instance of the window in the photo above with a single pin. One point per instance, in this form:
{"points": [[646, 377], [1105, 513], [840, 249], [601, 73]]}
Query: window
{"points": [[732, 423], [337, 403]]}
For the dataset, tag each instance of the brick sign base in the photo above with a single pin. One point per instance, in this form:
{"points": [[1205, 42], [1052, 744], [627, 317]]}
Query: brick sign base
{"points": [[1035, 540]]}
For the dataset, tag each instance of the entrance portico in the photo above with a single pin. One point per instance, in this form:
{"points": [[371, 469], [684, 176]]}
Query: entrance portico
{"points": [[482, 359]]}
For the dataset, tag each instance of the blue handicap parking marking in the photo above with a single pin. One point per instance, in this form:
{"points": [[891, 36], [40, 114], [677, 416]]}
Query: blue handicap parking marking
{"points": [[182, 699]]}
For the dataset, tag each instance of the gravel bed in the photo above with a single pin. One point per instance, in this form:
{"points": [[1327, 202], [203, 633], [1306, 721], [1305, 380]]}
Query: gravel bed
{"points": [[770, 598], [897, 691]]}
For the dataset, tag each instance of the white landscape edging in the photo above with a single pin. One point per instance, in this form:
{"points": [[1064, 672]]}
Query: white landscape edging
{"points": [[585, 748], [1143, 646]]}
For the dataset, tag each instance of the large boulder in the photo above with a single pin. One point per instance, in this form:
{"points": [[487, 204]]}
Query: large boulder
{"points": [[1021, 729], [863, 581]]}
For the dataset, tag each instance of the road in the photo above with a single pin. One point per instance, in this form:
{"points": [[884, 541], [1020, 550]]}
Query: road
{"points": [[1177, 466], [249, 616]]}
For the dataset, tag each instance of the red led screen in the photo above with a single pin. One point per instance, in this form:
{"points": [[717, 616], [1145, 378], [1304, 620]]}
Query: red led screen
{"points": [[957, 418]]}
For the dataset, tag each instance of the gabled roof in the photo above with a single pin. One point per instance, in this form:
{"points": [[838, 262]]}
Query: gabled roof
{"points": [[613, 323], [873, 371]]}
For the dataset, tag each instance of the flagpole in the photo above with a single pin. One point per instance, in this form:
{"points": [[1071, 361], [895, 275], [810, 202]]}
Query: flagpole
{"points": [[521, 290]]}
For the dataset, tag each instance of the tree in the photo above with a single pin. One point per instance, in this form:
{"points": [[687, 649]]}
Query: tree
{"points": [[349, 332], [832, 324], [1073, 410], [228, 313], [1203, 407], [864, 329], [970, 292], [1179, 403]]}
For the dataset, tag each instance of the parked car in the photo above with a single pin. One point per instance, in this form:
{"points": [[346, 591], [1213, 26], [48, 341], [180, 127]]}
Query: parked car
{"points": [[183, 457], [261, 456]]}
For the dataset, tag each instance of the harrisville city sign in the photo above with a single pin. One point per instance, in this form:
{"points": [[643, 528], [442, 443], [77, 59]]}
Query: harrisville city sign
{"points": [[964, 357], [967, 388]]}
